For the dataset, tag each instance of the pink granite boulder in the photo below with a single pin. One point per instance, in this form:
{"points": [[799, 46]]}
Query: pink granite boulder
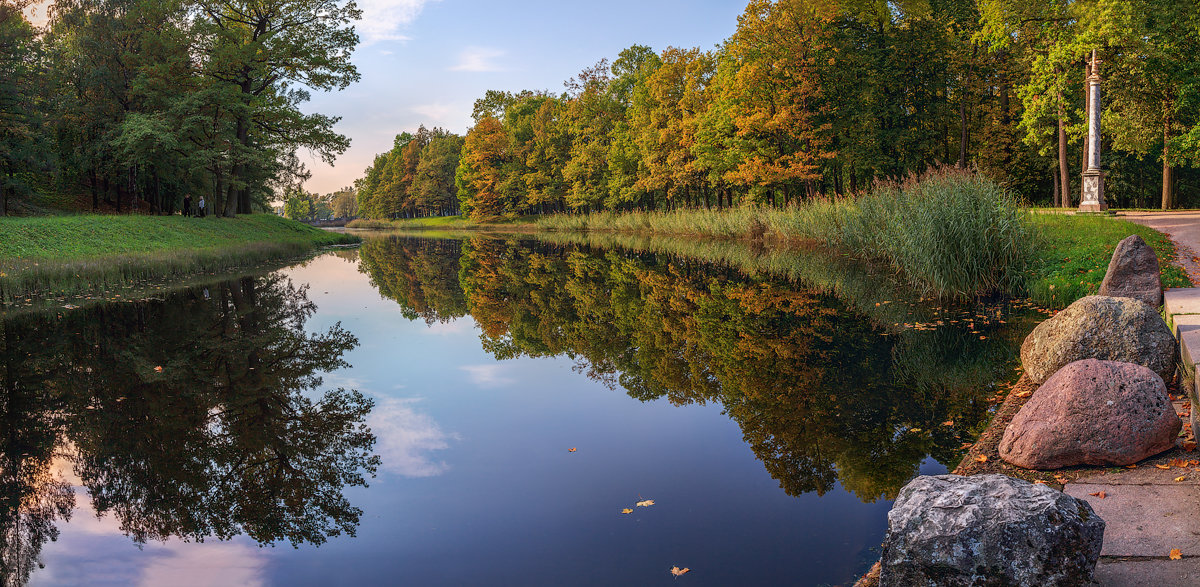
{"points": [[1092, 412], [1133, 272]]}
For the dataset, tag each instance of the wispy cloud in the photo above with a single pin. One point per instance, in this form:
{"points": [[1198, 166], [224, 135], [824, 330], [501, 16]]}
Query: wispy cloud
{"points": [[216, 563], [383, 19], [406, 437], [487, 375], [478, 59]]}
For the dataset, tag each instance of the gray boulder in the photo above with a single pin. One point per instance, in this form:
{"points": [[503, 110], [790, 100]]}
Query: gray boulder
{"points": [[949, 530], [1092, 412], [1099, 327], [1133, 272]]}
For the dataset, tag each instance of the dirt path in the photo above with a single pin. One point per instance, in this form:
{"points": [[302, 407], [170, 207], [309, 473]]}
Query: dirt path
{"points": [[1183, 228]]}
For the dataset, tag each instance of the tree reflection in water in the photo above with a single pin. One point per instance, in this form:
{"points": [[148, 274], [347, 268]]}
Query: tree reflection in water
{"points": [[229, 437], [824, 390]]}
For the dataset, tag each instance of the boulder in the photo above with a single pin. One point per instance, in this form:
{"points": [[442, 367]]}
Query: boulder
{"points": [[1099, 327], [989, 530], [1092, 412], [1133, 272]]}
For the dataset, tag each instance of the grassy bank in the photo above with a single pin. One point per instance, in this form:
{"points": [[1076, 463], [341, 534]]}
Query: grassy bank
{"points": [[72, 254], [1072, 255], [950, 235]]}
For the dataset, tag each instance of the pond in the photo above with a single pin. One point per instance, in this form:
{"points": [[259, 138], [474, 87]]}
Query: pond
{"points": [[488, 411]]}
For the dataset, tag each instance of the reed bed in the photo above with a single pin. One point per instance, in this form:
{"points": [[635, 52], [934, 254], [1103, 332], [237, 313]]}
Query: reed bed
{"points": [[952, 234]]}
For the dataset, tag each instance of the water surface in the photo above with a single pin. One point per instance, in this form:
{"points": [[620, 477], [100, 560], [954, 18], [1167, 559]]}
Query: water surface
{"points": [[405, 414]]}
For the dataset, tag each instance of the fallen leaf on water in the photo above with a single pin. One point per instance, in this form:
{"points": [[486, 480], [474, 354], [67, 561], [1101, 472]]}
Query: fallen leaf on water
{"points": [[1175, 554], [1099, 494], [981, 459], [678, 571], [626, 511], [915, 430], [572, 449], [158, 369], [645, 503], [1163, 467], [948, 423]]}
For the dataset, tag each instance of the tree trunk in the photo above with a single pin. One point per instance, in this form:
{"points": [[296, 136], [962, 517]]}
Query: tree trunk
{"points": [[1064, 178], [1055, 200], [1168, 174]]}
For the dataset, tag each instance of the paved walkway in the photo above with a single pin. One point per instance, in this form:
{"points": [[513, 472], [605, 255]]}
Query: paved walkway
{"points": [[1155, 508], [1184, 230]]}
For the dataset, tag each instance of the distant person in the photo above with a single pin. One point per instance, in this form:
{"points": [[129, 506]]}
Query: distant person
{"points": [[200, 207], [187, 205]]}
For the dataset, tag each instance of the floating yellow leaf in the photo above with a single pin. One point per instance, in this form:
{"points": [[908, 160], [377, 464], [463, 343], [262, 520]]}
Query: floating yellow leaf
{"points": [[572, 449], [678, 571], [915, 430], [1175, 554], [627, 511], [645, 503]]}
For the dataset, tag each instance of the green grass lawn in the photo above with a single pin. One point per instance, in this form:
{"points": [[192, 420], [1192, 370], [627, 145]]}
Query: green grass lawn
{"points": [[1073, 252], [72, 238], [70, 254]]}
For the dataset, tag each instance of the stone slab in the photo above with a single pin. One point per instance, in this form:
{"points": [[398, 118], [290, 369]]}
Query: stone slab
{"points": [[1156, 572], [1145, 520], [1183, 323], [1182, 300]]}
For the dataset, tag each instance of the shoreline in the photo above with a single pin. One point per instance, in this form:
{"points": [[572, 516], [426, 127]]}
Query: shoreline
{"points": [[76, 255]]}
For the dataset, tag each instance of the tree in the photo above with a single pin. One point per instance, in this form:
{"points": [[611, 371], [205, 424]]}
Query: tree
{"points": [[478, 177], [299, 205], [433, 186], [774, 95], [262, 53]]}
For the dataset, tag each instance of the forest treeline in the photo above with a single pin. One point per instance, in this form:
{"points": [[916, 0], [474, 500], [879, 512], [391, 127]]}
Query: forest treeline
{"points": [[129, 105], [825, 97]]}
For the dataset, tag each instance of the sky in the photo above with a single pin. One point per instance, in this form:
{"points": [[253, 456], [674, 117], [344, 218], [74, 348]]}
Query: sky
{"points": [[427, 61]]}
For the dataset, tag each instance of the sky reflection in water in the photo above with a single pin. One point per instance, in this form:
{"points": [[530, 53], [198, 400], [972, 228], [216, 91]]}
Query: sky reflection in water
{"points": [[476, 484]]}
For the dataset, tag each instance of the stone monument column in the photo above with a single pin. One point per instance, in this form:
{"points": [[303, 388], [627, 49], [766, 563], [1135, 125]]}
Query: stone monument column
{"points": [[1093, 177]]}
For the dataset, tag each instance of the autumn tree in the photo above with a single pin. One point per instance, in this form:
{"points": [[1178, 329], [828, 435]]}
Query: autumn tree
{"points": [[774, 96]]}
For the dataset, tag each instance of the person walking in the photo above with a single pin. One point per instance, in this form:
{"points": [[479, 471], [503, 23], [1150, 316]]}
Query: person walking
{"points": [[200, 207], [187, 205]]}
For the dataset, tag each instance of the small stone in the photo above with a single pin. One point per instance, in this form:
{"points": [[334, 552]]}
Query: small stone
{"points": [[1100, 327], [1092, 412], [1134, 273], [989, 530]]}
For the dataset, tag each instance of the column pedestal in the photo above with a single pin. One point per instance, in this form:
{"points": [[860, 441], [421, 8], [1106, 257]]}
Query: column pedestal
{"points": [[1093, 192]]}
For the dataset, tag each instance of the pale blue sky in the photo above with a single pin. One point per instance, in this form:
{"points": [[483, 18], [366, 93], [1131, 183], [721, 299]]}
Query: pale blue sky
{"points": [[426, 61]]}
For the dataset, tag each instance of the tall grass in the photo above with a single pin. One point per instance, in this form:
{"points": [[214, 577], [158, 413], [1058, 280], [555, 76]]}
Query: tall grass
{"points": [[952, 234]]}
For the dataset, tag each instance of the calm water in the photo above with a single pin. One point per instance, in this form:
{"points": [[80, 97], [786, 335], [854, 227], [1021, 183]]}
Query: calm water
{"points": [[769, 414]]}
